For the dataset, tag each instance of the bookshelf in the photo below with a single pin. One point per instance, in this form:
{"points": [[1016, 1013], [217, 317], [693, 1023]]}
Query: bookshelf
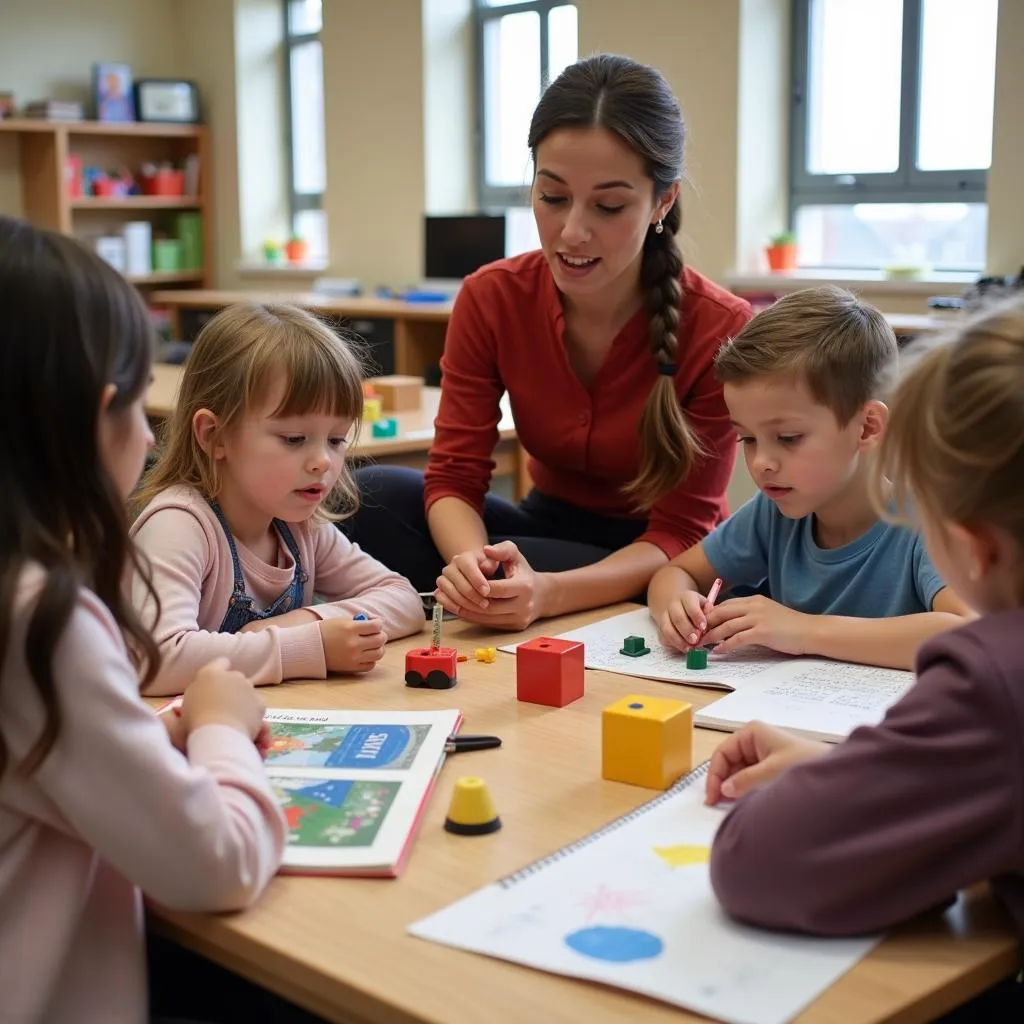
{"points": [[44, 150]]}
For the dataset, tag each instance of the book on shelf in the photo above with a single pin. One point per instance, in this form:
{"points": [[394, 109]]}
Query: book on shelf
{"points": [[55, 110]]}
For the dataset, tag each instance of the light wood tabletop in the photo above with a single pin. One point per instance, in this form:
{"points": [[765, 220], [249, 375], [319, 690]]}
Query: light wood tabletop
{"points": [[415, 426], [338, 946]]}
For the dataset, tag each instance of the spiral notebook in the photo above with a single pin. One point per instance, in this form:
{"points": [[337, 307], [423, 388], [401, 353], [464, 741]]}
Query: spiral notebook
{"points": [[631, 906]]}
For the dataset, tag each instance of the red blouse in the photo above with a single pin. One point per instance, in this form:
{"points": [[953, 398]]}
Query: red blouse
{"points": [[506, 333]]}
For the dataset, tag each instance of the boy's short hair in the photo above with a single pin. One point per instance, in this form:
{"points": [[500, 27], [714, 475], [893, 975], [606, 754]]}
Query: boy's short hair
{"points": [[842, 349]]}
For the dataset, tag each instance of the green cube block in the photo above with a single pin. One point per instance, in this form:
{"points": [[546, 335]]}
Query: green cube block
{"points": [[385, 428], [634, 646], [697, 658]]}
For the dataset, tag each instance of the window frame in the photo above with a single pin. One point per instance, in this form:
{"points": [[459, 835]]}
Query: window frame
{"points": [[298, 202], [907, 184], [503, 196]]}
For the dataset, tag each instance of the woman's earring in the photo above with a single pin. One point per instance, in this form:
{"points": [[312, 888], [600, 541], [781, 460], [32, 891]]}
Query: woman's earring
{"points": [[658, 228]]}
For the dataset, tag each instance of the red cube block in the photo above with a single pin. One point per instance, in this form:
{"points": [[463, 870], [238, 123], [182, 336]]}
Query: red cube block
{"points": [[549, 671]]}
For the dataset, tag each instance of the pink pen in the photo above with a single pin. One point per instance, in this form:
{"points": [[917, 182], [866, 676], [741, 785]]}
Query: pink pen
{"points": [[709, 601]]}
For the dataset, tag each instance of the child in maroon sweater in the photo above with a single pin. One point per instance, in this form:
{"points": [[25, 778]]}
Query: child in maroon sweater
{"points": [[860, 836]]}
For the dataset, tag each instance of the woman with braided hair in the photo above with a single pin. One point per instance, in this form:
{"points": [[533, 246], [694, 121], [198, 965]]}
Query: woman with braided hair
{"points": [[605, 343]]}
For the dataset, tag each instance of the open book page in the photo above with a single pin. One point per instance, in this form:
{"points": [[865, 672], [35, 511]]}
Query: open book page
{"points": [[820, 699], [352, 783], [633, 907], [602, 643]]}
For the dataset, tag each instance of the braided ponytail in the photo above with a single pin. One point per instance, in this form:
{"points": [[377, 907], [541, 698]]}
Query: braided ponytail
{"points": [[668, 445], [636, 103]]}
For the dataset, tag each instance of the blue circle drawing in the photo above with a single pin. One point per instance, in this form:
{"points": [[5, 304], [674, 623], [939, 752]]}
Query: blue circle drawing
{"points": [[615, 945]]}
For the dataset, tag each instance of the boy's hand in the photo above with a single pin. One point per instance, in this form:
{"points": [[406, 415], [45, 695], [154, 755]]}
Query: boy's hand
{"points": [[352, 645], [683, 622], [754, 756], [757, 620], [218, 694]]}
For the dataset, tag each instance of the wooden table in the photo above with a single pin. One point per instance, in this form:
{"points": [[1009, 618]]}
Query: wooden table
{"points": [[408, 448], [339, 946]]}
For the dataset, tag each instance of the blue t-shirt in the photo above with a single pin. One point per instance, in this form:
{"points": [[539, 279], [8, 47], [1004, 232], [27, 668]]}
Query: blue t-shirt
{"points": [[884, 572]]}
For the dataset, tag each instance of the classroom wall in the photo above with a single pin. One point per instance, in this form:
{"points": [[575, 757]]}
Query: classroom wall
{"points": [[48, 49]]}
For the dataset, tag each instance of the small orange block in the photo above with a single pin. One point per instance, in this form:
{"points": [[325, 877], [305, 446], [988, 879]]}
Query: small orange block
{"points": [[646, 741], [549, 671], [399, 393]]}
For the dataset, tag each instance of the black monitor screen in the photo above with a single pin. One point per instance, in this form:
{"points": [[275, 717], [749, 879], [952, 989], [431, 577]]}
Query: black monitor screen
{"points": [[456, 246]]}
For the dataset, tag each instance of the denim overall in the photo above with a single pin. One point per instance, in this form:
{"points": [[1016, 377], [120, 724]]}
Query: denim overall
{"points": [[241, 608]]}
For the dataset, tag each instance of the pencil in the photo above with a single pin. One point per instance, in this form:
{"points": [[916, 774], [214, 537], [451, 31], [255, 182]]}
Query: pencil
{"points": [[709, 601], [435, 638]]}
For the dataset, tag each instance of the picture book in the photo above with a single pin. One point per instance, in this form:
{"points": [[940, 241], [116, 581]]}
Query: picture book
{"points": [[632, 906], [354, 784]]}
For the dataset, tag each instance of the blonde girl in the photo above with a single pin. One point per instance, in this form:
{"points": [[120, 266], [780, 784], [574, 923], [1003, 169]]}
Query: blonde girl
{"points": [[859, 837], [238, 515]]}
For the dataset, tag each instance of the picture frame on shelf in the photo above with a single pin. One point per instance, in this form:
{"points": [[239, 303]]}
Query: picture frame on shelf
{"points": [[167, 100], [112, 92]]}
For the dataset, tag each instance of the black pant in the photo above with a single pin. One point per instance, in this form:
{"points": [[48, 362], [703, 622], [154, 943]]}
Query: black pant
{"points": [[552, 535]]}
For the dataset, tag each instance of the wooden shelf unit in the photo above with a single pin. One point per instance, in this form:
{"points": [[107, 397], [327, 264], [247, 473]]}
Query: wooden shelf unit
{"points": [[44, 150]]}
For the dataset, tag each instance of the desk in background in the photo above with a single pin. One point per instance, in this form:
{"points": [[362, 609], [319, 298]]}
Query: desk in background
{"points": [[404, 337], [338, 946], [408, 448]]}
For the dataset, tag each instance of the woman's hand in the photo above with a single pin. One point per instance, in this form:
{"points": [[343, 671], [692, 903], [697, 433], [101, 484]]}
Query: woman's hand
{"points": [[510, 604]]}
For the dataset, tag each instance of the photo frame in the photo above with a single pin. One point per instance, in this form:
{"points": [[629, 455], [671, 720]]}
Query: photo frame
{"points": [[112, 92], [167, 100]]}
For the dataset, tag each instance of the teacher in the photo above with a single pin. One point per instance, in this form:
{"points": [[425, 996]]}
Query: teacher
{"points": [[605, 344]]}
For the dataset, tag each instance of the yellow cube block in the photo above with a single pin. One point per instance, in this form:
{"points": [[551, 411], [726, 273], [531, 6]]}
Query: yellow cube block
{"points": [[646, 741]]}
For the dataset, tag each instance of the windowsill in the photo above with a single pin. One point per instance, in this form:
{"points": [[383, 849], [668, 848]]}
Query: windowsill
{"points": [[308, 268], [935, 282]]}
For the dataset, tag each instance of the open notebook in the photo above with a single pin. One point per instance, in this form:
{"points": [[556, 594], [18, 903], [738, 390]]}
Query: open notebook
{"points": [[631, 906], [817, 697], [353, 784]]}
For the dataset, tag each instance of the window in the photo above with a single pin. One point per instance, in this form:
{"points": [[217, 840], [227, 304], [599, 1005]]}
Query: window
{"points": [[304, 106], [520, 47], [891, 130]]}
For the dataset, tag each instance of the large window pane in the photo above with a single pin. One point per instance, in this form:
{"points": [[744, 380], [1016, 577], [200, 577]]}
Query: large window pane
{"points": [[941, 236], [563, 40], [854, 68], [958, 72], [307, 85], [305, 17], [511, 91]]}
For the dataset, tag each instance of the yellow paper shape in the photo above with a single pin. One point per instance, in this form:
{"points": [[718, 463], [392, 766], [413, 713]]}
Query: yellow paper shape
{"points": [[681, 856]]}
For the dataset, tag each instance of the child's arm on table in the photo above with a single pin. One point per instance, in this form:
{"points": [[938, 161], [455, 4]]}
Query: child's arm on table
{"points": [[889, 642], [891, 822]]}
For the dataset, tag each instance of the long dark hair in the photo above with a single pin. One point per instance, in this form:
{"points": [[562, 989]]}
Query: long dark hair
{"points": [[636, 103], [69, 326]]}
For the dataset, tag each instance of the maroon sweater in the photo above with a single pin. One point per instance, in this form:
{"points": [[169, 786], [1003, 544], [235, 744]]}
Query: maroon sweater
{"points": [[899, 817]]}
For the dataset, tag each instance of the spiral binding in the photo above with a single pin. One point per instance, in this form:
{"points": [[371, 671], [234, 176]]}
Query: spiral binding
{"points": [[522, 874]]}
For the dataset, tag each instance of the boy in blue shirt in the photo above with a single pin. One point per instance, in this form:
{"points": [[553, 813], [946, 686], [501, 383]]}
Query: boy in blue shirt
{"points": [[802, 382]]}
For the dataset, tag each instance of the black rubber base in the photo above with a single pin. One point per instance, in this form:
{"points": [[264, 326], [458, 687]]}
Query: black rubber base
{"points": [[483, 829]]}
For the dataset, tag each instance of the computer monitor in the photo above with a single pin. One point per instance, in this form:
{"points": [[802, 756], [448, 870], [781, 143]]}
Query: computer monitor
{"points": [[456, 246]]}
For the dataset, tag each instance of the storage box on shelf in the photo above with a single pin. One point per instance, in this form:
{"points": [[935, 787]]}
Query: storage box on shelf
{"points": [[53, 159]]}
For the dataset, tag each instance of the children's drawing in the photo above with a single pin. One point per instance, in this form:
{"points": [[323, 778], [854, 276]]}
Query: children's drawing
{"points": [[681, 856], [614, 944], [333, 812], [320, 745]]}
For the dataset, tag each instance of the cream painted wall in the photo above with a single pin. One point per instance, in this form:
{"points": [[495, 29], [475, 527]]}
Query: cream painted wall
{"points": [[47, 50], [694, 44], [373, 82]]}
